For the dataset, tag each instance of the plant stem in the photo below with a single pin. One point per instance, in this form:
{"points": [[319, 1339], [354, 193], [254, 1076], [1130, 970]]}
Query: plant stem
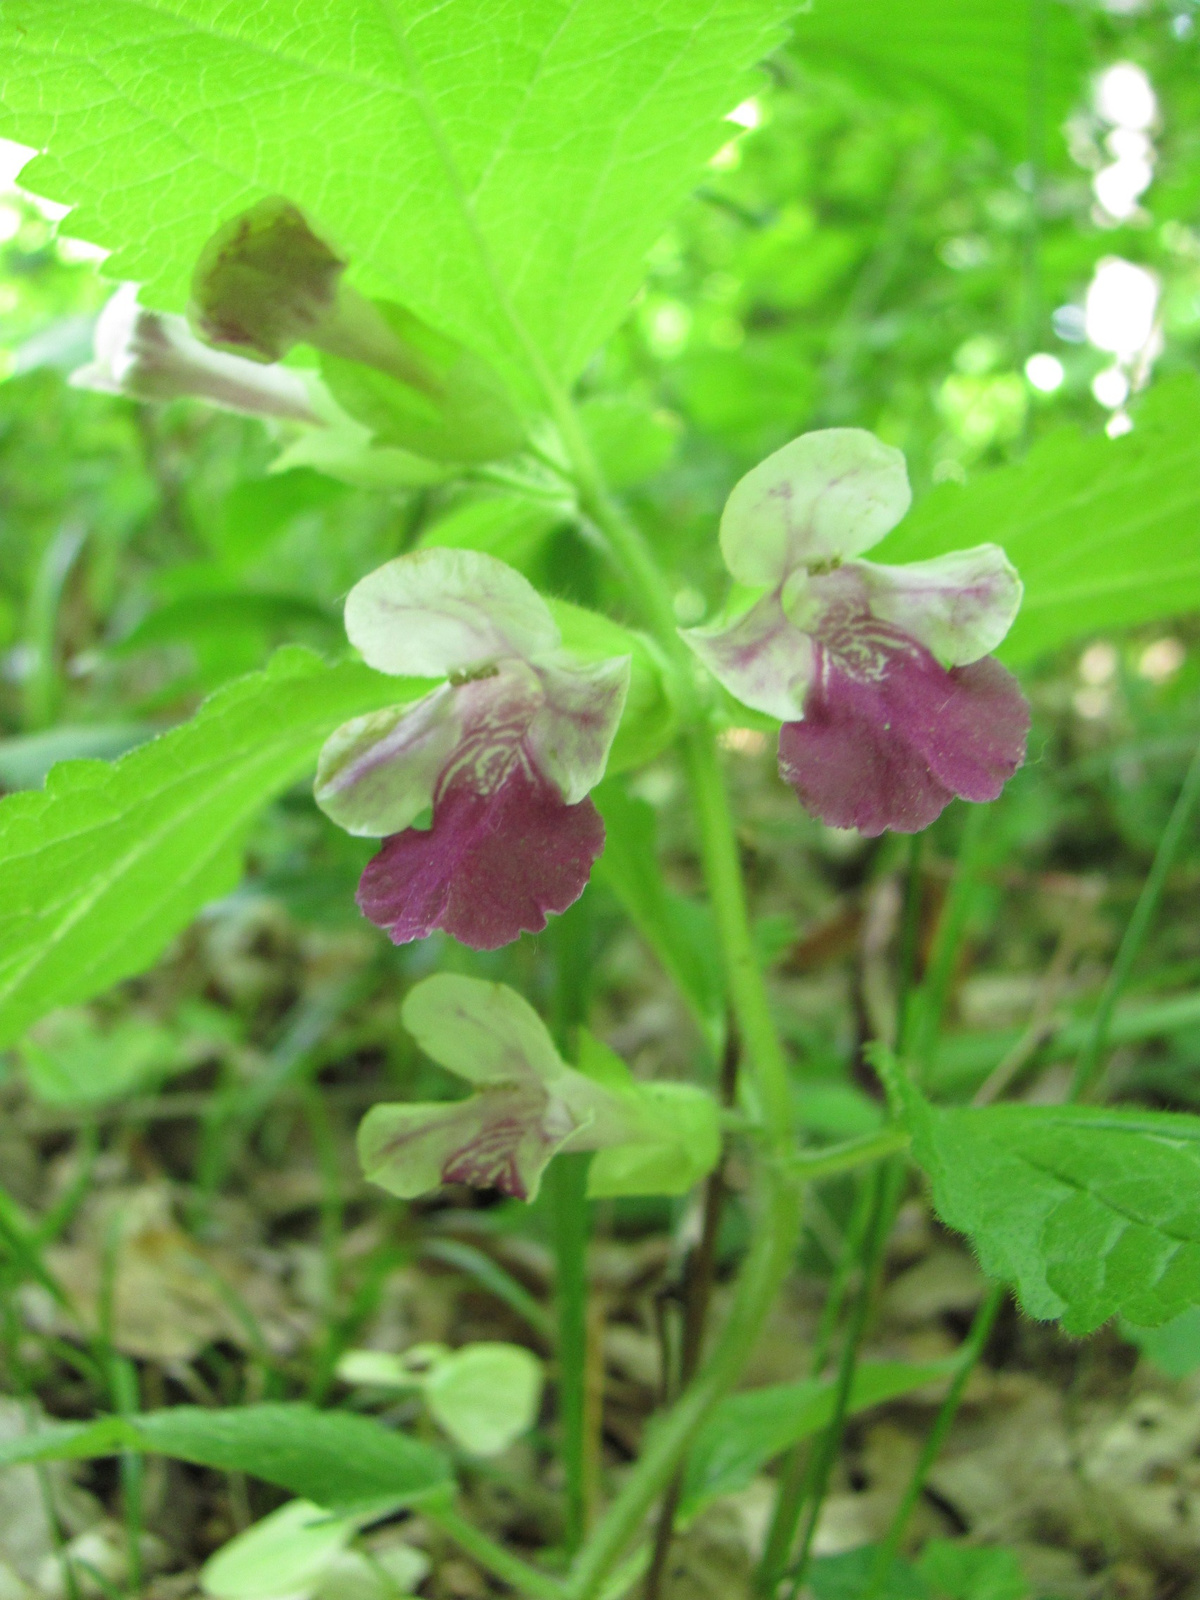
{"points": [[969, 1355], [570, 1227], [885, 1182], [566, 1183], [1137, 929], [778, 1210], [747, 986], [793, 1479], [767, 1263], [493, 1557], [929, 1002], [701, 1269], [860, 1152]]}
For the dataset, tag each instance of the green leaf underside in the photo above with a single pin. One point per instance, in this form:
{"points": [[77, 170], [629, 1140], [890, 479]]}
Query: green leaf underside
{"points": [[977, 58], [336, 1459], [432, 140], [1102, 531], [748, 1429], [103, 867], [1090, 1212]]}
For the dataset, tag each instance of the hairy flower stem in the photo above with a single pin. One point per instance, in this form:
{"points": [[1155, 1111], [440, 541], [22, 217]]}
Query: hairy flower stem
{"points": [[570, 1221], [698, 1283], [886, 1185], [1136, 930], [770, 1256], [968, 1358], [777, 1192]]}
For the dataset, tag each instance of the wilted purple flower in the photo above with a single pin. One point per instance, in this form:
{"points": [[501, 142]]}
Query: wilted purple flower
{"points": [[506, 751], [881, 676], [651, 1138], [151, 355]]}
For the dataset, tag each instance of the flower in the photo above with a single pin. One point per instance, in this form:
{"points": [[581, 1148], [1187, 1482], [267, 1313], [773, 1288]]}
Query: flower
{"points": [[150, 355], [506, 751], [881, 676], [529, 1105]]}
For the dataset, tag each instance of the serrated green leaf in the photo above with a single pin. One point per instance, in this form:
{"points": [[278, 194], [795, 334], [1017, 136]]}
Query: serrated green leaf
{"points": [[107, 863], [1102, 531], [499, 168], [748, 1429], [341, 1461], [1091, 1213], [986, 61]]}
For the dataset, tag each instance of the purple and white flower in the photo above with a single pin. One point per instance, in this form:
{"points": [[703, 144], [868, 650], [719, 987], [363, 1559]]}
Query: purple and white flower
{"points": [[506, 751], [527, 1105], [890, 701]]}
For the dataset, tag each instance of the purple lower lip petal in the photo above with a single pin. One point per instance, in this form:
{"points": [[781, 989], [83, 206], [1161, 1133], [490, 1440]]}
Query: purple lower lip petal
{"points": [[492, 866], [890, 747]]}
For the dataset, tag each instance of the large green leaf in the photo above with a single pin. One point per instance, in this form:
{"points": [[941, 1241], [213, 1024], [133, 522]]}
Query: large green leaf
{"points": [[337, 1459], [1103, 531], [499, 166], [994, 63], [107, 863], [746, 1430], [1089, 1212]]}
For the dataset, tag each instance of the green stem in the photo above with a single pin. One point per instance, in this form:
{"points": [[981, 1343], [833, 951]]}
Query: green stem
{"points": [[969, 1355], [493, 1557], [929, 1002], [747, 987], [789, 1498], [851, 1153], [775, 1231], [884, 1186], [1137, 929], [566, 1183]]}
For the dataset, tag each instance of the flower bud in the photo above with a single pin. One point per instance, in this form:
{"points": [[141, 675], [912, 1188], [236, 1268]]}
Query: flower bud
{"points": [[265, 281]]}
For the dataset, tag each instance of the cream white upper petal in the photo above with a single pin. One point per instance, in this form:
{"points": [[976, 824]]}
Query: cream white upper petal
{"points": [[829, 494], [441, 610]]}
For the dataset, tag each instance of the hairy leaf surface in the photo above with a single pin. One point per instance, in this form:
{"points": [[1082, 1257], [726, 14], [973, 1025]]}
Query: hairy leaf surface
{"points": [[1090, 1212], [498, 166], [107, 863], [1102, 531]]}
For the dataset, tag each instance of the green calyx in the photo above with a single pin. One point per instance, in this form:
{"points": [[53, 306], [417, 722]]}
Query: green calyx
{"points": [[266, 281]]}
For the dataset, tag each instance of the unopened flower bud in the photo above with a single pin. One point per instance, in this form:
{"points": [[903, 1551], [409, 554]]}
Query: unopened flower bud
{"points": [[266, 281]]}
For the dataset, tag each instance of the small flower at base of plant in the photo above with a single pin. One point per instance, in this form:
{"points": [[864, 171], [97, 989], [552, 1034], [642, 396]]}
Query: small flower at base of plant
{"points": [[527, 1106], [506, 752], [890, 701], [151, 355]]}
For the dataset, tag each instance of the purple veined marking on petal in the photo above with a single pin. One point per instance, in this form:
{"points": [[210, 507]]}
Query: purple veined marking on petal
{"points": [[492, 1158], [889, 736], [492, 866]]}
